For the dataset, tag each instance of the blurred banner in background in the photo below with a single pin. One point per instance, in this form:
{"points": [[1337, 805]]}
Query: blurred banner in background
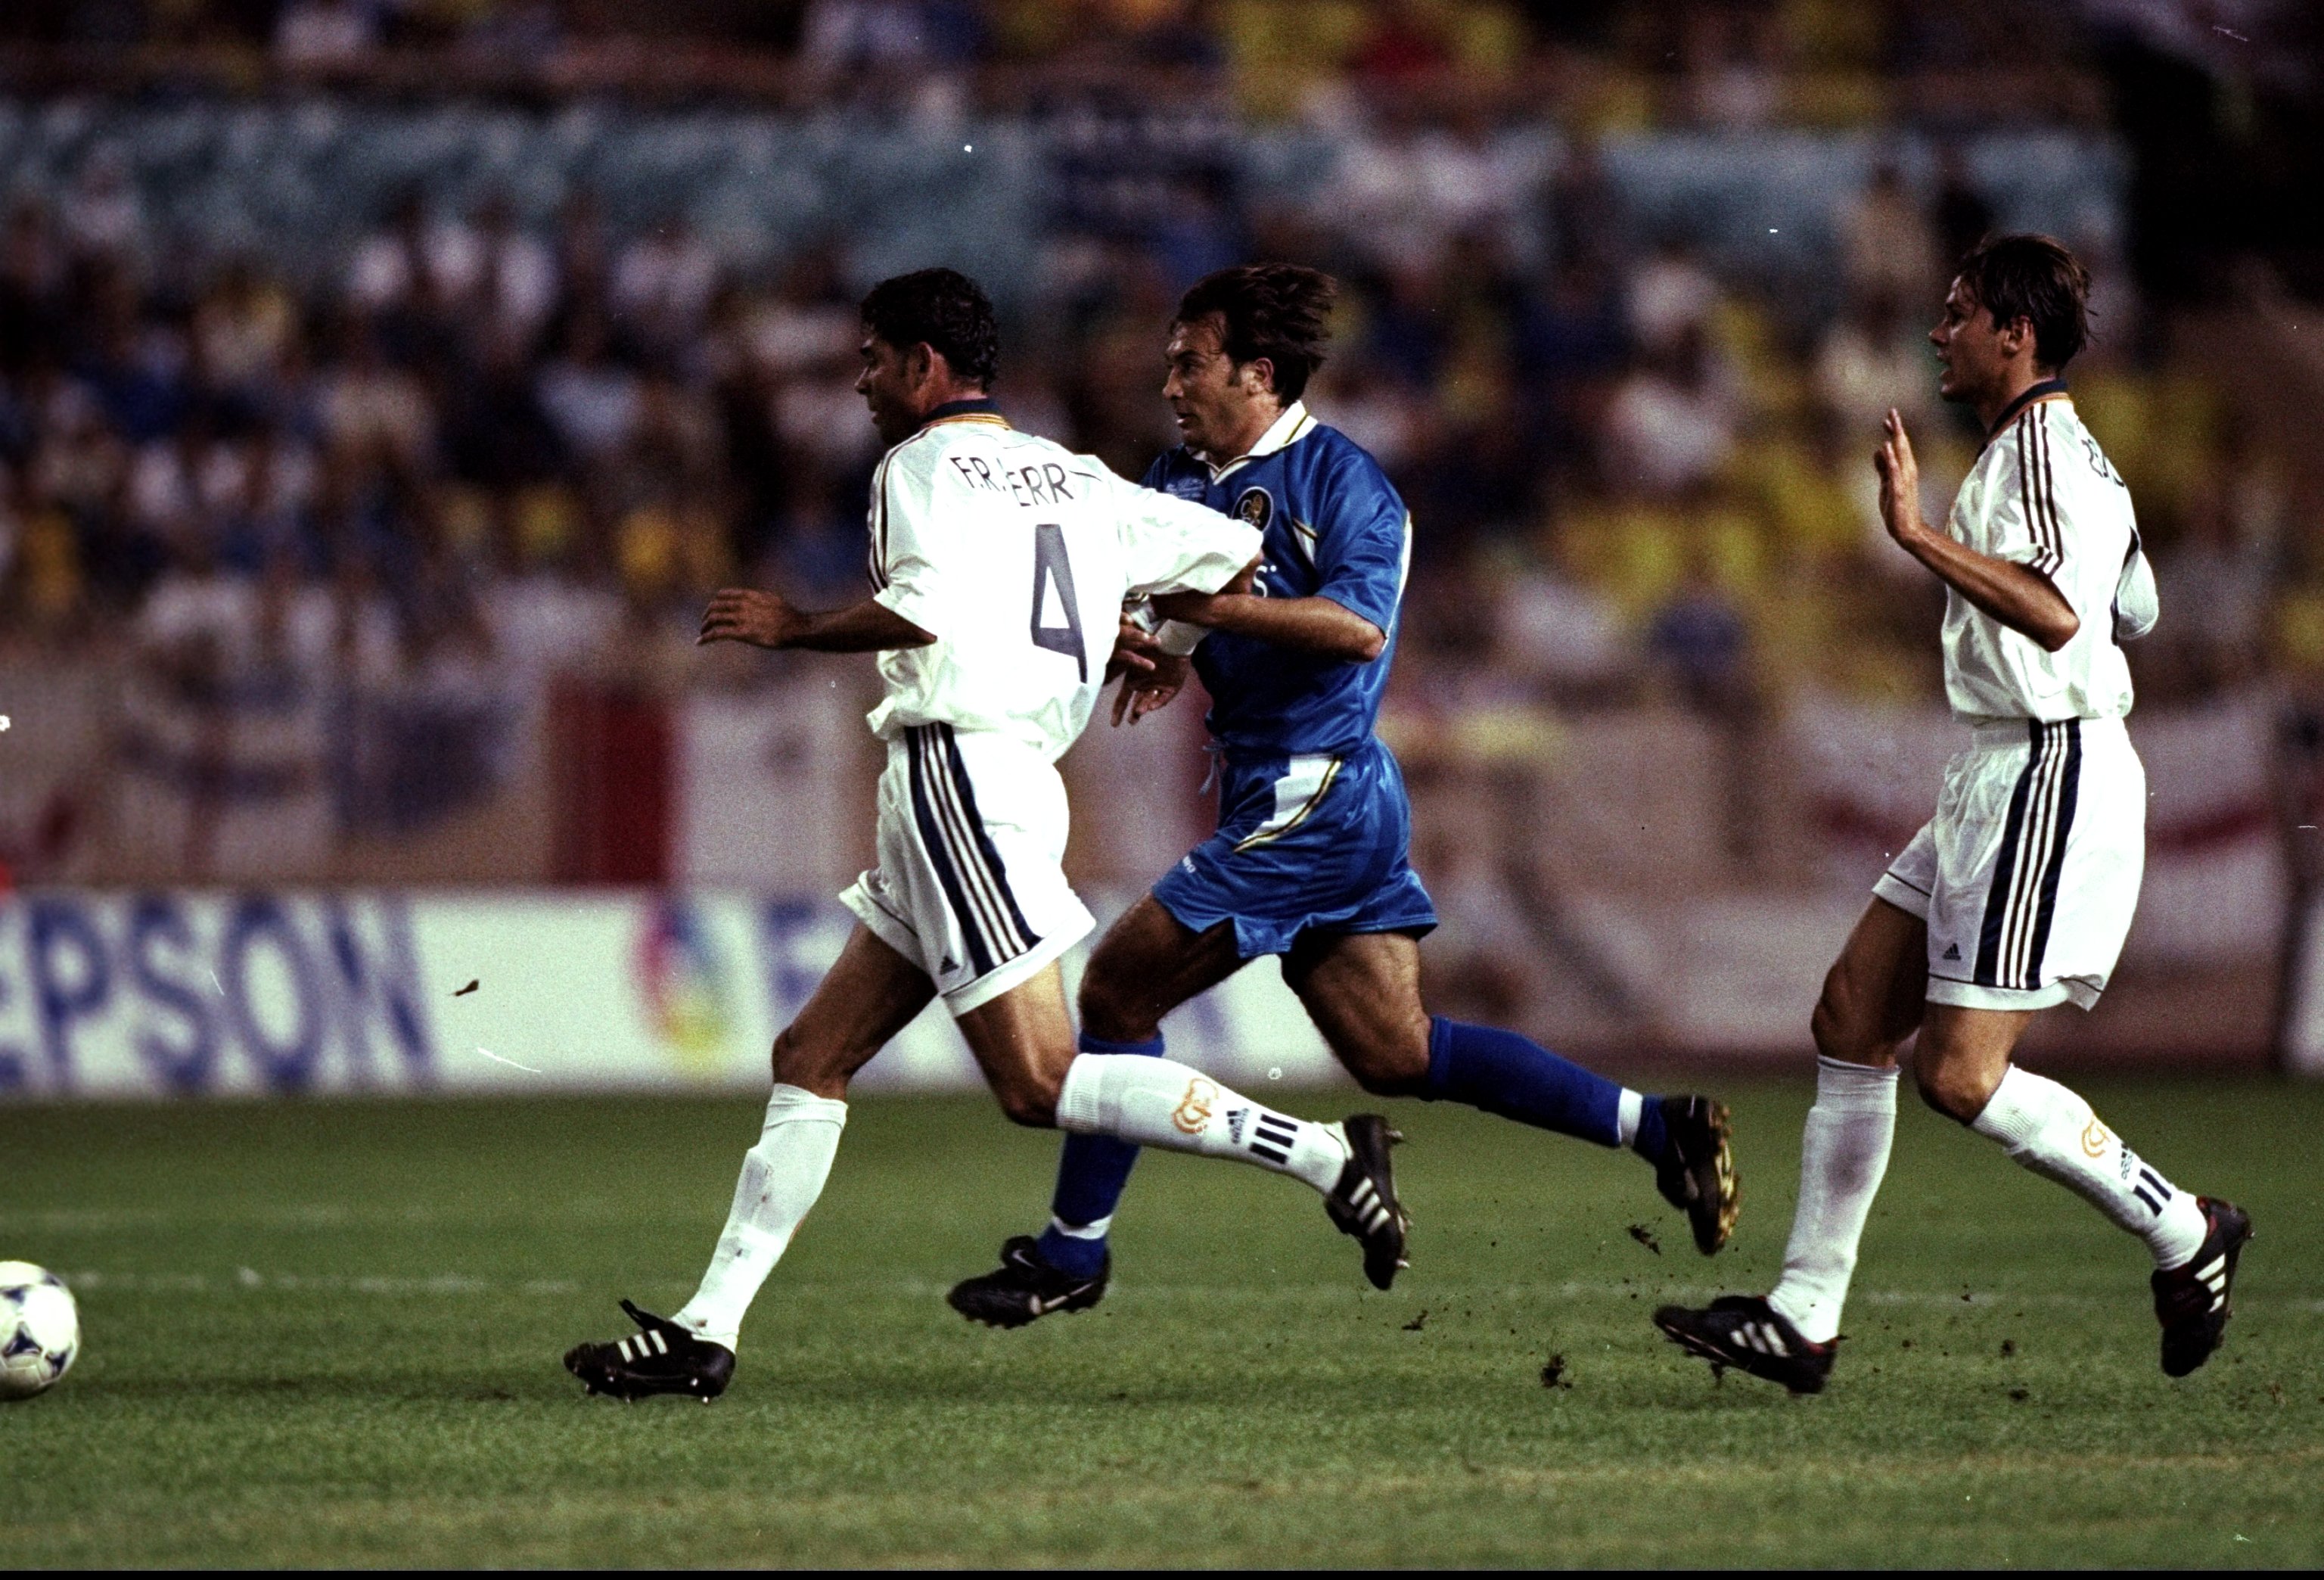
{"points": [[284, 993], [385, 384]]}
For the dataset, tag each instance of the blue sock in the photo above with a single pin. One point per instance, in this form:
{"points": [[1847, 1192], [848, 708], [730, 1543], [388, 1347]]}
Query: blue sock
{"points": [[1652, 1136], [1515, 1077], [1092, 1171]]}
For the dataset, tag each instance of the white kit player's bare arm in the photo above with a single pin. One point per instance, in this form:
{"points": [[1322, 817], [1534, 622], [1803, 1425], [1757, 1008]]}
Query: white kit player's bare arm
{"points": [[2010, 583], [769, 620]]}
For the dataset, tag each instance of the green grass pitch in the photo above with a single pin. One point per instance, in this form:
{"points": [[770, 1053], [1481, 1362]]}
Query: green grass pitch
{"points": [[328, 1334]]}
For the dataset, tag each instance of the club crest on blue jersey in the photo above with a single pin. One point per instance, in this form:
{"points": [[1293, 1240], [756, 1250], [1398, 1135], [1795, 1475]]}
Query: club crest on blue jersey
{"points": [[1334, 527]]}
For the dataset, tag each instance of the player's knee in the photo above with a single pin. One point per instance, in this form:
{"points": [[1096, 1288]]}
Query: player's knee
{"points": [[1956, 1089], [1030, 1101], [798, 1062]]}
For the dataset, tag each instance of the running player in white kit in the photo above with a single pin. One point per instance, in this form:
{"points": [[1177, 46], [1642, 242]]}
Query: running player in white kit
{"points": [[999, 564], [2019, 891]]}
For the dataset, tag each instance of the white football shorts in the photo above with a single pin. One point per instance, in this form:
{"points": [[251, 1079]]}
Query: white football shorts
{"points": [[2029, 873], [970, 884]]}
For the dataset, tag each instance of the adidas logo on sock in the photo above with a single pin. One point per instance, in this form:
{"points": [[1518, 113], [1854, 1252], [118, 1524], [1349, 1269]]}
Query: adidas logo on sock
{"points": [[1952, 952], [1271, 1138]]}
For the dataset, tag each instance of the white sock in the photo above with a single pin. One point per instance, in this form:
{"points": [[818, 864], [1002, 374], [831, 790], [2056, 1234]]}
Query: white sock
{"points": [[1161, 1102], [1843, 1154], [2049, 1129], [1628, 1109], [782, 1178]]}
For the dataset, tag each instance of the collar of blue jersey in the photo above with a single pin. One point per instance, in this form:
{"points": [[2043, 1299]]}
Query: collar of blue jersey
{"points": [[2033, 392], [1290, 425], [976, 406]]}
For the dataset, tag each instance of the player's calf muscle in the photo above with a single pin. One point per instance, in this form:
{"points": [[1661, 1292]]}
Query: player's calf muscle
{"points": [[1023, 1041], [820, 1067], [1148, 965], [1116, 1008], [1841, 1030], [1386, 1060], [1362, 991]]}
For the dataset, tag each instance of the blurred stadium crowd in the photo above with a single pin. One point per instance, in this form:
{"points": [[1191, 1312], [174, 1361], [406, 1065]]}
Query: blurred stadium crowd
{"points": [[494, 433]]}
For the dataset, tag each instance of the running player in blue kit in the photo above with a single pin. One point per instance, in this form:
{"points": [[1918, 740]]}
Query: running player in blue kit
{"points": [[1310, 860]]}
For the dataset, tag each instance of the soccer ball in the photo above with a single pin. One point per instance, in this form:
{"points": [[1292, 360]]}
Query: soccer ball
{"points": [[39, 1329]]}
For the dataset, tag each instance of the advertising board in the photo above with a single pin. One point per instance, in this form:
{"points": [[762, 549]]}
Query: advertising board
{"points": [[198, 992]]}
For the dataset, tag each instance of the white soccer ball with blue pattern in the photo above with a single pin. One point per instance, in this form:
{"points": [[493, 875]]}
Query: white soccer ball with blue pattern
{"points": [[40, 1330]]}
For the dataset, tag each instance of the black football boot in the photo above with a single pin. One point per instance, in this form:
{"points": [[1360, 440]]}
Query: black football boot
{"points": [[1743, 1331], [662, 1357], [1696, 1172], [1363, 1202], [1024, 1288], [2191, 1300]]}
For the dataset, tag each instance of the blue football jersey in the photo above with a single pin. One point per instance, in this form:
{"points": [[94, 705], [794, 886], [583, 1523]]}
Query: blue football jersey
{"points": [[1334, 527]]}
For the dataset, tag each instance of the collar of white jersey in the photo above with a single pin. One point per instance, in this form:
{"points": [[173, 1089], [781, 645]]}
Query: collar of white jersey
{"points": [[2053, 388], [1293, 425], [975, 409]]}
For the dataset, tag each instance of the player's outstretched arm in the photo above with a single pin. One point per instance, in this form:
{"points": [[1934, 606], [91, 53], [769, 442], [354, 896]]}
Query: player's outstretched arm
{"points": [[1312, 624], [2018, 596], [770, 620]]}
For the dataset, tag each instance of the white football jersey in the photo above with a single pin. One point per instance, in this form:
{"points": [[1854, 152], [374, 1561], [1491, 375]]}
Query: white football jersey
{"points": [[1016, 555], [2043, 495]]}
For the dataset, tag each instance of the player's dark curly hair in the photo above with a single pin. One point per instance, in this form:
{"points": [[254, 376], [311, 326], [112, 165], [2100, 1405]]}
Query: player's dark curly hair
{"points": [[2035, 278], [1280, 311], [946, 308]]}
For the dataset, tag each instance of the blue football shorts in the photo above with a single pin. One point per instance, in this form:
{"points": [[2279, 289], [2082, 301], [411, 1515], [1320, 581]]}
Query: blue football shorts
{"points": [[1309, 841]]}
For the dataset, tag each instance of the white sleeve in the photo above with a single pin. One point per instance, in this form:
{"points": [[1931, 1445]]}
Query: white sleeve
{"points": [[917, 526], [2138, 602], [1172, 545], [2023, 523]]}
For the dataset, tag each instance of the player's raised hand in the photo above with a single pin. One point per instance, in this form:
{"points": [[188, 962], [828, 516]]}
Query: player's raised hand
{"points": [[1900, 478], [746, 614]]}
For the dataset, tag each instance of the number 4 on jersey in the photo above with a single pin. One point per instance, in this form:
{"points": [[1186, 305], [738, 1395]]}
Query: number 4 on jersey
{"points": [[1052, 568]]}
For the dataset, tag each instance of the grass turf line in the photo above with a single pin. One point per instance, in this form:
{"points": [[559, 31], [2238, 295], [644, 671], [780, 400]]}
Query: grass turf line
{"points": [[328, 1334]]}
